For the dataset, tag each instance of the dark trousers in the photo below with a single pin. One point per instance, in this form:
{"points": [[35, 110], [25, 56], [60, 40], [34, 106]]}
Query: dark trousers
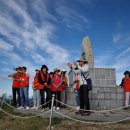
{"points": [[57, 97], [16, 91], [48, 97], [84, 97], [42, 93]]}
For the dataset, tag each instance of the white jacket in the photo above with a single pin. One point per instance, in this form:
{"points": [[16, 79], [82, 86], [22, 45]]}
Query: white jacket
{"points": [[85, 70]]}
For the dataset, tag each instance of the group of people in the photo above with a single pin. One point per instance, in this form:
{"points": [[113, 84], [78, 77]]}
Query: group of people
{"points": [[43, 83], [48, 83]]}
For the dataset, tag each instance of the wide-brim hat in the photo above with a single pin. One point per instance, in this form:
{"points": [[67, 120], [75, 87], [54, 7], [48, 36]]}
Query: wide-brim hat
{"points": [[56, 69], [44, 66], [82, 60]]}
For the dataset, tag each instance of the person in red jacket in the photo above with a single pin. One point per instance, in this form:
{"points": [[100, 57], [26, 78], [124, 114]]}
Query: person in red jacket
{"points": [[36, 90], [16, 86], [24, 88], [44, 79], [56, 87], [125, 84]]}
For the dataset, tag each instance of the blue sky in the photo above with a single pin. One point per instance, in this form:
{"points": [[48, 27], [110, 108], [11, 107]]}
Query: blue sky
{"points": [[36, 32]]}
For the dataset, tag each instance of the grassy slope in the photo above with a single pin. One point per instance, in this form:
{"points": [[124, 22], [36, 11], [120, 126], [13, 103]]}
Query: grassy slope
{"points": [[9, 123]]}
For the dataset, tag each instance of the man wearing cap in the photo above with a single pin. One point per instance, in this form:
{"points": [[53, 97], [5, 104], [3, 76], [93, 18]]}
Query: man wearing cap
{"points": [[82, 70], [16, 85]]}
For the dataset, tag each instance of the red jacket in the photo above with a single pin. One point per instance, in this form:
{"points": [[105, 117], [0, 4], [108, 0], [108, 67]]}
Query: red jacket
{"points": [[126, 84], [16, 84], [76, 82], [64, 82], [36, 84], [25, 82], [56, 83]]}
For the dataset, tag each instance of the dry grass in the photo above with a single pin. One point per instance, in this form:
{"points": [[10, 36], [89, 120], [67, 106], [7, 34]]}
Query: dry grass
{"points": [[69, 125], [9, 123]]}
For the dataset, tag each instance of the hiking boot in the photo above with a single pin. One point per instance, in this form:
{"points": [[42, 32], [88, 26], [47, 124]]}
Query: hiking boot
{"points": [[79, 112], [85, 114]]}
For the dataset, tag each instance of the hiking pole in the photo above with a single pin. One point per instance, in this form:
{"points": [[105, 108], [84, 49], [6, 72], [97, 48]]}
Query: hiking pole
{"points": [[52, 103]]}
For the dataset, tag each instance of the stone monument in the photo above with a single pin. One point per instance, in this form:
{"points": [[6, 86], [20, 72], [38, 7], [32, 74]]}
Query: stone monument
{"points": [[105, 94], [87, 53]]}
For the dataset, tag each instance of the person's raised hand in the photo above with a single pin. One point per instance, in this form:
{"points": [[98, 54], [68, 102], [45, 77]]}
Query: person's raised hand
{"points": [[76, 64], [70, 65]]}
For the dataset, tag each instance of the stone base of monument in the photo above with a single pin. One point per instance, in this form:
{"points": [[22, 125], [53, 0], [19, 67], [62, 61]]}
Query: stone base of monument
{"points": [[105, 94]]}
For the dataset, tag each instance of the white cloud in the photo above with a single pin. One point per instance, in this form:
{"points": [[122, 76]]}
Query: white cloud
{"points": [[112, 59], [123, 53], [42, 10], [103, 59], [4, 46], [117, 37], [72, 18], [121, 38], [29, 38], [38, 58]]}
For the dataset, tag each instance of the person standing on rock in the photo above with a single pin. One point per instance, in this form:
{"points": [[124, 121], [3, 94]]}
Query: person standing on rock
{"points": [[82, 70]]}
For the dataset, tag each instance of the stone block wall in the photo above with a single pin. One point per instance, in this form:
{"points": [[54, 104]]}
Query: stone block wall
{"points": [[105, 94]]}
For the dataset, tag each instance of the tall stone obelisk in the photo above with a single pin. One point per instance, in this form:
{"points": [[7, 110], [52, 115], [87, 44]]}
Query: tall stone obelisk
{"points": [[87, 53]]}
